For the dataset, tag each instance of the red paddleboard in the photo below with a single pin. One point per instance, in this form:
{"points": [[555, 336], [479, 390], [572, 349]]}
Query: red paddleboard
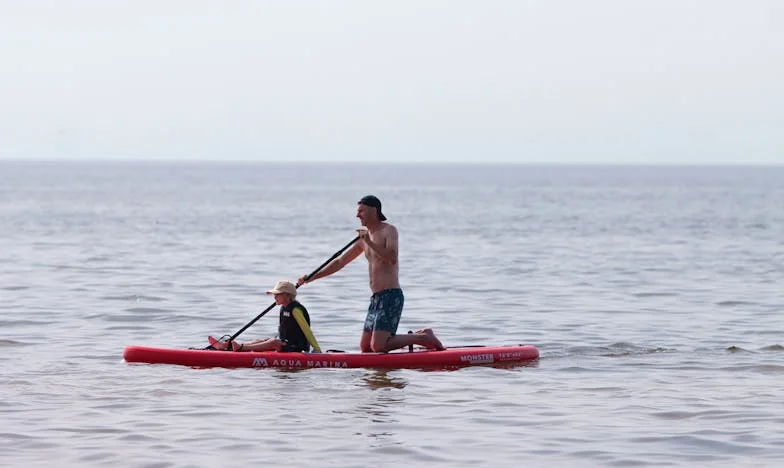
{"points": [[418, 358]]}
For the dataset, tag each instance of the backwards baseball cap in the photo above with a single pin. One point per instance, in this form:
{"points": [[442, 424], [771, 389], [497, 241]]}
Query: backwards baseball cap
{"points": [[373, 201], [284, 287]]}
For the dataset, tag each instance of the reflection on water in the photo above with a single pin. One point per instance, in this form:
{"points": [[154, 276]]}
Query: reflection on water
{"points": [[380, 403], [375, 413], [379, 378], [283, 373], [510, 366]]}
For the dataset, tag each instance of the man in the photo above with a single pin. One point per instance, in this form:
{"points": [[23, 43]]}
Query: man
{"points": [[378, 241]]}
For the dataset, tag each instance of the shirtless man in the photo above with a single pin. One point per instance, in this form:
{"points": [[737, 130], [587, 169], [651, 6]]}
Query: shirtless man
{"points": [[378, 241]]}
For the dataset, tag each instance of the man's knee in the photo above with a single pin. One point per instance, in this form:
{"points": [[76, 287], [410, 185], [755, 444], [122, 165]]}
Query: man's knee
{"points": [[379, 345]]}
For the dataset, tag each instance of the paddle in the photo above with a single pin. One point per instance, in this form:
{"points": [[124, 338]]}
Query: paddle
{"points": [[336, 255]]}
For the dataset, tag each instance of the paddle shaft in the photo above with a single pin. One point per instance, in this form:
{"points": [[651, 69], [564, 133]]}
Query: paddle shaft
{"points": [[333, 257]]}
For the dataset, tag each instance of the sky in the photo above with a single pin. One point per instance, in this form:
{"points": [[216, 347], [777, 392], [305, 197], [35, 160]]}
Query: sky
{"points": [[551, 81]]}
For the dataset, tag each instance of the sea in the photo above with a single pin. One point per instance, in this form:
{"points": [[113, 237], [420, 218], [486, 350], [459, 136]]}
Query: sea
{"points": [[655, 295]]}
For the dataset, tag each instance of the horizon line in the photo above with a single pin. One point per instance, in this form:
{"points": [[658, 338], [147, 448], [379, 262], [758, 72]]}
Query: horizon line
{"points": [[376, 163]]}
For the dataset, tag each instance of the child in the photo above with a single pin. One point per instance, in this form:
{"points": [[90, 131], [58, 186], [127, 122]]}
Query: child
{"points": [[294, 333]]}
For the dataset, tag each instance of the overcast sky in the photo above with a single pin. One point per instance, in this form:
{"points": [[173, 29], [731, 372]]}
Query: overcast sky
{"points": [[606, 81]]}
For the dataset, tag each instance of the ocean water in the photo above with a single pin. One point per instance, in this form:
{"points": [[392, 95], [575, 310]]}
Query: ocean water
{"points": [[655, 296]]}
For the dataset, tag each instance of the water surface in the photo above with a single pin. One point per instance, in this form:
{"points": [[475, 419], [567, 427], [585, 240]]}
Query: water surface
{"points": [[653, 293]]}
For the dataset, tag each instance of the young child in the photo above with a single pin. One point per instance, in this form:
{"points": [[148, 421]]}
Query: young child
{"points": [[294, 334]]}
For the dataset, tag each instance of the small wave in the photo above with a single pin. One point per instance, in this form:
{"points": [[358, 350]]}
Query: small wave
{"points": [[23, 323], [775, 347], [640, 351], [738, 349], [129, 328], [617, 350], [98, 259], [765, 368], [124, 318], [133, 297], [10, 342], [695, 443], [15, 436], [735, 303], [147, 310], [655, 294], [674, 415]]}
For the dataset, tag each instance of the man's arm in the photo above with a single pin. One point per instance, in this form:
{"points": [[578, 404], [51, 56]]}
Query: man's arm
{"points": [[335, 265]]}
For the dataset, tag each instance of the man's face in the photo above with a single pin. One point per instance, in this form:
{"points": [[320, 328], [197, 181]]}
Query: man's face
{"points": [[365, 213]]}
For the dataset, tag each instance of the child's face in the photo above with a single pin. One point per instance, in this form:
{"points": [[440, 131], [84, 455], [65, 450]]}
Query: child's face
{"points": [[282, 299]]}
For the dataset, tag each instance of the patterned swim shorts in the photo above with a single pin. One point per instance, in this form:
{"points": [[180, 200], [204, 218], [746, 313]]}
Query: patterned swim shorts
{"points": [[384, 311]]}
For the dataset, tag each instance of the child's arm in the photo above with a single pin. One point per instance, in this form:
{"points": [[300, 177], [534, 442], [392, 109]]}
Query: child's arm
{"points": [[303, 325]]}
